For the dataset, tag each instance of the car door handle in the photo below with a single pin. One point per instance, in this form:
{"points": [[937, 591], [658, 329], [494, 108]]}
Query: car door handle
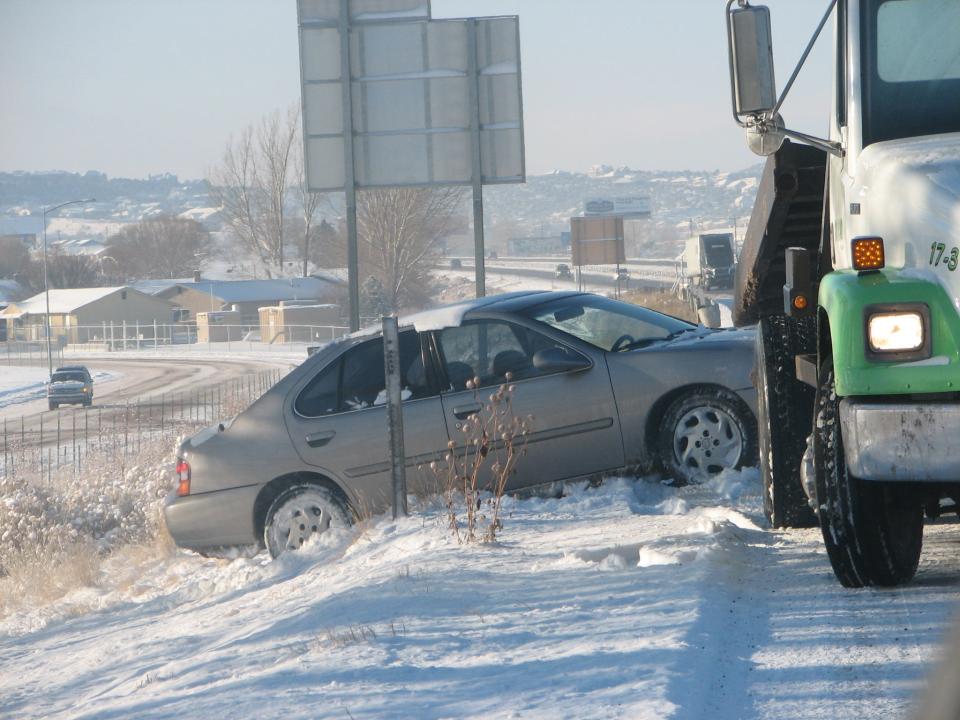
{"points": [[465, 411], [320, 439]]}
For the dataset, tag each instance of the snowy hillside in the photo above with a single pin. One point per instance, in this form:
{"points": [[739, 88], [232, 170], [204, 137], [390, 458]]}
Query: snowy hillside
{"points": [[632, 600]]}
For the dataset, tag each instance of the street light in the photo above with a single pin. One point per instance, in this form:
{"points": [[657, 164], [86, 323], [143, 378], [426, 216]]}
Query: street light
{"points": [[46, 285]]}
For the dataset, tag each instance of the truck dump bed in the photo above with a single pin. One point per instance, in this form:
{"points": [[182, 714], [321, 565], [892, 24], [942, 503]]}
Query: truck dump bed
{"points": [[788, 213]]}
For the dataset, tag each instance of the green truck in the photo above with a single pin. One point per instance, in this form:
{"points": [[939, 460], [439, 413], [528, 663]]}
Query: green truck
{"points": [[851, 268]]}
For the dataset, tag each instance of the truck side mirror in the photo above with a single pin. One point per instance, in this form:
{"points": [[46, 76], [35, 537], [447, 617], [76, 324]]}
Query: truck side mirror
{"points": [[751, 60]]}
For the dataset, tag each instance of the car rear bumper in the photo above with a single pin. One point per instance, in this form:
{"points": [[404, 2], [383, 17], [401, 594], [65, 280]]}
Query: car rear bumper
{"points": [[214, 519], [901, 441]]}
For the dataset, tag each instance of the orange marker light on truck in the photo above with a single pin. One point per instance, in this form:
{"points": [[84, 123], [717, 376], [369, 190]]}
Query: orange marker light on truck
{"points": [[868, 253], [800, 302]]}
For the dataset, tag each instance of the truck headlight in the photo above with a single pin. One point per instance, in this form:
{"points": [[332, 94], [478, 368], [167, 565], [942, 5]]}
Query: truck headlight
{"points": [[898, 333]]}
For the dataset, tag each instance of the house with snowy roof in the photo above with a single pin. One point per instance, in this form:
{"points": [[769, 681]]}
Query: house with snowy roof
{"points": [[244, 296], [80, 315]]}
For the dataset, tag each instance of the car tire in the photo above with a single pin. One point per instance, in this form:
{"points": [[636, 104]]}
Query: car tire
{"points": [[704, 432], [287, 527], [784, 418], [88, 403], [54, 406], [873, 531]]}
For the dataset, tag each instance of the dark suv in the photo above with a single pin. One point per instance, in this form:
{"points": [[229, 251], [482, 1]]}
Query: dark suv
{"points": [[70, 385]]}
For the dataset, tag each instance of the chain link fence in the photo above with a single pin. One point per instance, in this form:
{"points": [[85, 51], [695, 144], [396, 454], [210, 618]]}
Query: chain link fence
{"points": [[66, 438]]}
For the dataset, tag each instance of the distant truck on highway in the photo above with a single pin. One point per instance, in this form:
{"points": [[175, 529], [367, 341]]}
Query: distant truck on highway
{"points": [[710, 260]]}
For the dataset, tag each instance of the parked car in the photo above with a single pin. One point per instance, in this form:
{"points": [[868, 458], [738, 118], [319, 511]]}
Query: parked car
{"points": [[563, 272], [609, 386], [70, 385]]}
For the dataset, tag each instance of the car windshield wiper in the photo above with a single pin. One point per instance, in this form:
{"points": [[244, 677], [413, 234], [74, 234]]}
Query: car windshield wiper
{"points": [[678, 333]]}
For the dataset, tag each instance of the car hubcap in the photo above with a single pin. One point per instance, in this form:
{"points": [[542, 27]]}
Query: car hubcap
{"points": [[300, 518], [706, 441]]}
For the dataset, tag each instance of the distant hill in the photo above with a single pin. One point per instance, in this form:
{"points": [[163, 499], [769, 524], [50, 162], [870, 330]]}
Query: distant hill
{"points": [[709, 199]]}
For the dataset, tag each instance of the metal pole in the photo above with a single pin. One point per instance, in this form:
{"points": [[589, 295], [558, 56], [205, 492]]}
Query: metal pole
{"points": [[46, 291], [478, 239], [349, 173], [391, 365]]}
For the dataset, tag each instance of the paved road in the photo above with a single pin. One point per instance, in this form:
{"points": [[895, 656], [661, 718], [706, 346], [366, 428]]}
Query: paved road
{"points": [[132, 401]]}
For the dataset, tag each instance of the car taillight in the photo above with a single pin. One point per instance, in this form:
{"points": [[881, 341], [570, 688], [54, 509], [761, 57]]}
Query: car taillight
{"points": [[183, 477]]}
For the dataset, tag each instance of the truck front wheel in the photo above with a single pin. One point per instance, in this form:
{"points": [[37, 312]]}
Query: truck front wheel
{"points": [[873, 531], [784, 419]]}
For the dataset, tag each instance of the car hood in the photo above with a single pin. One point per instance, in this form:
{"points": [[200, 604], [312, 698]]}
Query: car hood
{"points": [[712, 338]]}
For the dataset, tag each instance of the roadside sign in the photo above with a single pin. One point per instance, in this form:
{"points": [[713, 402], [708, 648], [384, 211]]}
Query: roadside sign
{"points": [[412, 98], [597, 241], [627, 207]]}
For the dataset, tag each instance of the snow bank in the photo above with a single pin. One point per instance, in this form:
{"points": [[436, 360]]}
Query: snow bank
{"points": [[631, 600]]}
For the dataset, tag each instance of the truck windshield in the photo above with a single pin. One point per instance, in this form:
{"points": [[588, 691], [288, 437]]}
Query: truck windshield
{"points": [[718, 254], [911, 61]]}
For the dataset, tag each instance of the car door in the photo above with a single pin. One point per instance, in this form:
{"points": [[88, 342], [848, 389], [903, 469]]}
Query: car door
{"points": [[339, 420], [574, 429]]}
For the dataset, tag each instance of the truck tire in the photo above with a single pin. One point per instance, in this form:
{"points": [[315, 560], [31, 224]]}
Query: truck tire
{"points": [[873, 531], [784, 418]]}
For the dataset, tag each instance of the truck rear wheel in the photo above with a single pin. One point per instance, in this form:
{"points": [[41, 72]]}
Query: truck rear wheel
{"points": [[784, 418], [873, 530]]}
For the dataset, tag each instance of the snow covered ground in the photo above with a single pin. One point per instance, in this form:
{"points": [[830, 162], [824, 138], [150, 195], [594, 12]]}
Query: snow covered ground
{"points": [[632, 600], [25, 384]]}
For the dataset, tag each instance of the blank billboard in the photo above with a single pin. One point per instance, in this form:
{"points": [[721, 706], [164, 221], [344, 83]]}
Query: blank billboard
{"points": [[597, 240], [412, 93]]}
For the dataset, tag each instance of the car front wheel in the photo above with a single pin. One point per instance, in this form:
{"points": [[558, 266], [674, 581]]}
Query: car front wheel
{"points": [[299, 513], [704, 433]]}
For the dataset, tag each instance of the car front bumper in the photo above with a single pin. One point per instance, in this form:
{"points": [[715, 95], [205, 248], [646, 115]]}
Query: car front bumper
{"points": [[215, 519], [905, 441]]}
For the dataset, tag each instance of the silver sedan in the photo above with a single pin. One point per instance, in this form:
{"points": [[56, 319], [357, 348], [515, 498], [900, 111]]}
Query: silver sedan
{"points": [[609, 385]]}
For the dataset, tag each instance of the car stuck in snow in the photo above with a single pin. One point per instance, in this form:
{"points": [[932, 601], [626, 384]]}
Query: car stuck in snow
{"points": [[608, 385]]}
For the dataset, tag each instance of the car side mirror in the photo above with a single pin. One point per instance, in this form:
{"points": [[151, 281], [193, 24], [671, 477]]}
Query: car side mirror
{"points": [[751, 60], [557, 359]]}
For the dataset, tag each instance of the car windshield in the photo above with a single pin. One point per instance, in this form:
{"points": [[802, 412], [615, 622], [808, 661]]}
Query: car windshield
{"points": [[911, 59], [607, 324], [69, 377]]}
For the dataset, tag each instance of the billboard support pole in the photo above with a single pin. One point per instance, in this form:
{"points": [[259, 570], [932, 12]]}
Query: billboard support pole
{"points": [[349, 177], [478, 239]]}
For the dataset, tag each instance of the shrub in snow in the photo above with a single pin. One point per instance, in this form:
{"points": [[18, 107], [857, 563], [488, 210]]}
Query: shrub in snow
{"points": [[56, 529], [475, 472]]}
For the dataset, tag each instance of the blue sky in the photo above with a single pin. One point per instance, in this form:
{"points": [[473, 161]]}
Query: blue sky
{"points": [[138, 87]]}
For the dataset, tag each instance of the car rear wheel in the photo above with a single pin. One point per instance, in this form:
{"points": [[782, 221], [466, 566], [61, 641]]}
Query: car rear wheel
{"points": [[704, 433], [299, 513], [54, 406]]}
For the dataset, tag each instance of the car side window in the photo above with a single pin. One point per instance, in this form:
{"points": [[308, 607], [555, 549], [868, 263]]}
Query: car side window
{"points": [[356, 380], [489, 350], [320, 396]]}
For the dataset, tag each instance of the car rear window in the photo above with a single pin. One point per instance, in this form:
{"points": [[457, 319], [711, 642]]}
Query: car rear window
{"points": [[69, 377]]}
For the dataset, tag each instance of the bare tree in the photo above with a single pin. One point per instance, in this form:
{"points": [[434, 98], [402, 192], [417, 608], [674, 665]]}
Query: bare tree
{"points": [[400, 230], [309, 203], [71, 271], [159, 247], [251, 183], [16, 263]]}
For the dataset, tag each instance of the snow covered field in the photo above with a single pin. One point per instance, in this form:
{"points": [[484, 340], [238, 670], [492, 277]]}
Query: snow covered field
{"points": [[632, 600]]}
